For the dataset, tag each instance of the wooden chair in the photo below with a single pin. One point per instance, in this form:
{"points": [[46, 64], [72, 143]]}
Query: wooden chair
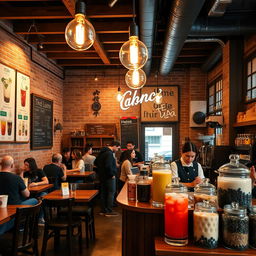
{"points": [[54, 223], [86, 212], [24, 235]]}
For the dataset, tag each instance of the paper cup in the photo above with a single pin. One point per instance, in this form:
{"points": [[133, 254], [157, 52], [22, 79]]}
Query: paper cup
{"points": [[3, 201]]}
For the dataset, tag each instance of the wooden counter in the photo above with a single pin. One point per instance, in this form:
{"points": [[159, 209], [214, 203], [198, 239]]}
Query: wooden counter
{"points": [[141, 223]]}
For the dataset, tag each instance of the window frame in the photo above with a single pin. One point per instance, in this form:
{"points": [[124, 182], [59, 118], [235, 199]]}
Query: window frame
{"points": [[249, 59]]}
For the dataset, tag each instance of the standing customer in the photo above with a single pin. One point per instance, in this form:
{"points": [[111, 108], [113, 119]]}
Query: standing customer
{"points": [[107, 171], [126, 166], [13, 186], [87, 157], [186, 168]]}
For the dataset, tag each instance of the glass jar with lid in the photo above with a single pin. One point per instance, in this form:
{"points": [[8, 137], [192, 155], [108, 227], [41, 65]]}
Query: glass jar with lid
{"points": [[235, 227], [234, 183], [176, 214], [206, 225], [252, 227], [162, 175], [205, 191]]}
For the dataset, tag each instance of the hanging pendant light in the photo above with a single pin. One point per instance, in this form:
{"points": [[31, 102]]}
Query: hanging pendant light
{"points": [[133, 53], [119, 93], [135, 79], [159, 96], [80, 33]]}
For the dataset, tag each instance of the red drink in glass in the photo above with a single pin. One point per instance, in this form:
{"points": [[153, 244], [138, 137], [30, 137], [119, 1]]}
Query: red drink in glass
{"points": [[176, 218], [23, 97]]}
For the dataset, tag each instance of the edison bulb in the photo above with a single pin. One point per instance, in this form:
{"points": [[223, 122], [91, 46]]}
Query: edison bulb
{"points": [[135, 79], [133, 53], [80, 33], [158, 98], [119, 96]]}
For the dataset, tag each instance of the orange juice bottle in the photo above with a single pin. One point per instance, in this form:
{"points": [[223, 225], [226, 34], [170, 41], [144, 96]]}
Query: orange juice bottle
{"points": [[162, 176]]}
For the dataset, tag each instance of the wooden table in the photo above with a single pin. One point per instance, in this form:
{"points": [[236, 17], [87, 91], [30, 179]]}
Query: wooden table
{"points": [[81, 196], [78, 174], [40, 188], [164, 249], [9, 212]]}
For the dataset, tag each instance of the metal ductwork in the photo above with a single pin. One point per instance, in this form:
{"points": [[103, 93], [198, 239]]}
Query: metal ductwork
{"points": [[212, 59], [182, 15], [215, 55], [219, 8], [147, 25], [225, 26]]}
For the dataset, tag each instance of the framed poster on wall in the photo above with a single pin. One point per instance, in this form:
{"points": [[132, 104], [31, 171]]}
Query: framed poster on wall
{"points": [[22, 107], [167, 111], [7, 103]]}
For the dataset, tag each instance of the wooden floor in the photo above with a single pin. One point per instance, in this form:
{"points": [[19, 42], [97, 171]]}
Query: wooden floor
{"points": [[108, 238]]}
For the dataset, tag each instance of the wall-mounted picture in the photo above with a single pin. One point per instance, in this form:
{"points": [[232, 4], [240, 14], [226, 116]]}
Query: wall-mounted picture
{"points": [[7, 103], [22, 108]]}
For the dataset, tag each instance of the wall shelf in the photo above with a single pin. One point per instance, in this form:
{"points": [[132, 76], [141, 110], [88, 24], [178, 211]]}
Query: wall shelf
{"points": [[248, 123]]}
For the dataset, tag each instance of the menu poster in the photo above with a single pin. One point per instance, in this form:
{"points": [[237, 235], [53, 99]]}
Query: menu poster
{"points": [[7, 103], [22, 108]]}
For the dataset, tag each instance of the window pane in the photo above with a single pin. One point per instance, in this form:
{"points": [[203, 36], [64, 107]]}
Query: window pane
{"points": [[211, 90], [254, 65], [248, 97], [211, 100], [254, 93], [249, 79], [254, 80], [249, 70], [210, 108]]}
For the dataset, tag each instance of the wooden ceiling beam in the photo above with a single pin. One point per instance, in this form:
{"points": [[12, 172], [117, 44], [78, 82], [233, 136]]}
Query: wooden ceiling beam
{"points": [[70, 5], [78, 55], [60, 39], [25, 13], [86, 63], [101, 51], [63, 12], [59, 27]]}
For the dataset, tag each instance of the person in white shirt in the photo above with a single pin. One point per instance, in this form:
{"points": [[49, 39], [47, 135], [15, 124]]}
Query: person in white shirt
{"points": [[78, 162], [189, 171], [87, 157]]}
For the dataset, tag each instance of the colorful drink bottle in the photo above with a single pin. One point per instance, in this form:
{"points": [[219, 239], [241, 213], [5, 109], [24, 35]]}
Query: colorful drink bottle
{"points": [[176, 214]]}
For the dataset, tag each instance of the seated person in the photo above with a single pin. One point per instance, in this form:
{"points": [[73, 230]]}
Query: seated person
{"points": [[35, 176], [66, 158], [77, 162], [138, 157], [189, 171], [13, 186], [87, 157], [56, 171], [126, 166]]}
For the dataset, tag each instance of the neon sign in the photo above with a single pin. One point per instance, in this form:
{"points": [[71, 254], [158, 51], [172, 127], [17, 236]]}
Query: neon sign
{"points": [[130, 98]]}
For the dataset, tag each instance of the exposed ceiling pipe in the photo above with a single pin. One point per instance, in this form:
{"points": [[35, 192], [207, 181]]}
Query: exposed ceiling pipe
{"points": [[226, 26], [219, 8], [147, 25], [182, 15], [212, 59], [215, 55]]}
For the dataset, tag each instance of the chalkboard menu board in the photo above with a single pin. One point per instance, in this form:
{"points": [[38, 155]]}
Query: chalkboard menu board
{"points": [[42, 122], [100, 129], [129, 130]]}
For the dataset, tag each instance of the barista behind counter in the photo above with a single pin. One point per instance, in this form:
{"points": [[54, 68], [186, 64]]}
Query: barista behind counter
{"points": [[189, 171]]}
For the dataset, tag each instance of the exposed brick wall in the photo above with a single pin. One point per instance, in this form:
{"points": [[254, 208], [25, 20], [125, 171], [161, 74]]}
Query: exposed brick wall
{"points": [[79, 86], [16, 54]]}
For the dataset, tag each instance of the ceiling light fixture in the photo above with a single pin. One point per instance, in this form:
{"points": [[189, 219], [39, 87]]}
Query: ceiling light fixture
{"points": [[96, 78], [119, 95], [80, 33], [133, 53], [135, 79]]}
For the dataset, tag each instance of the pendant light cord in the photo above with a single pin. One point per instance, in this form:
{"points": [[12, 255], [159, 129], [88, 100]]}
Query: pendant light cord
{"points": [[133, 11]]}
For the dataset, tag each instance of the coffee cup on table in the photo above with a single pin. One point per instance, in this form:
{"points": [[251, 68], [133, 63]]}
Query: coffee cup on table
{"points": [[3, 201]]}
